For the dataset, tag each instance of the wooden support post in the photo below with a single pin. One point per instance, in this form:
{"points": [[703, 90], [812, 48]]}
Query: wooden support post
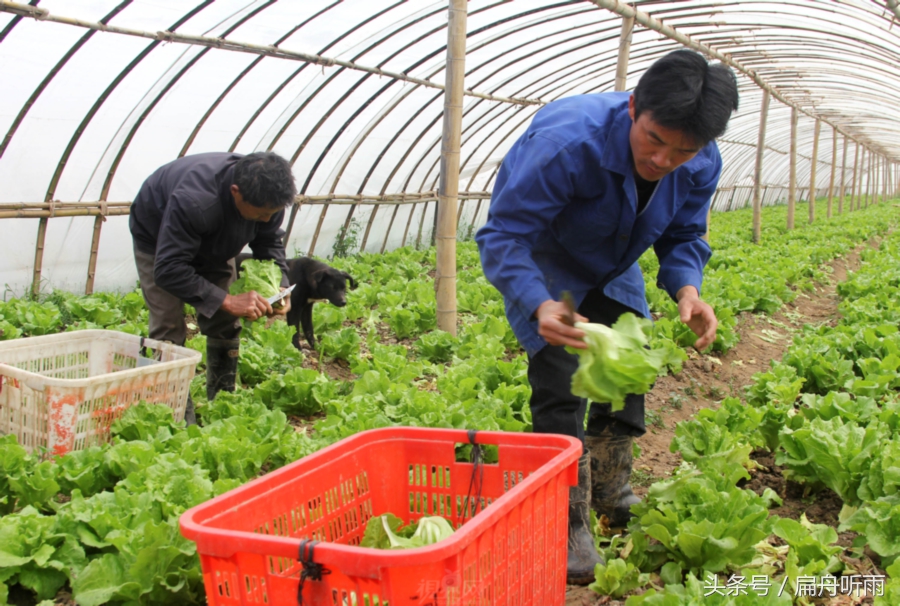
{"points": [[843, 177], [869, 178], [833, 171], [312, 245], [792, 183], [853, 184], [448, 190], [862, 172], [624, 53], [388, 232], [39, 257], [812, 172], [92, 261], [362, 247], [757, 173], [877, 179]]}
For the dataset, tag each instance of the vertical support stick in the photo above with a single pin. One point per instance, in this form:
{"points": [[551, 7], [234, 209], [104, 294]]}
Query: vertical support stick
{"points": [[39, 257], [92, 262], [855, 172], [812, 172], [624, 53], [448, 190], [757, 173], [792, 183], [833, 171], [843, 178], [868, 179]]}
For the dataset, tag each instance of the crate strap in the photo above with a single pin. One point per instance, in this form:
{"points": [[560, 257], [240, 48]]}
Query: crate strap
{"points": [[311, 570], [477, 472]]}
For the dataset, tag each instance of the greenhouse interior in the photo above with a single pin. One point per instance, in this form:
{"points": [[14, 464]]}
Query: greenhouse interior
{"points": [[396, 302]]}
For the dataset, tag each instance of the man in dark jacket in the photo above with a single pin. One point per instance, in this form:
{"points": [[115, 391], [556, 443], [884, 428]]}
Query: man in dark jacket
{"points": [[592, 184], [190, 219]]}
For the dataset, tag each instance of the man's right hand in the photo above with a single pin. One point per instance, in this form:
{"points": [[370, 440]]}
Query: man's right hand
{"points": [[552, 317], [250, 305]]}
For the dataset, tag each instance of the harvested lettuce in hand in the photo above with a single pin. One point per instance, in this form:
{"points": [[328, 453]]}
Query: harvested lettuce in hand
{"points": [[262, 276], [617, 361], [387, 532]]}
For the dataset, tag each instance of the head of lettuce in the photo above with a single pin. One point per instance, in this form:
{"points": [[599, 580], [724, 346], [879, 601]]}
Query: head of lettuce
{"points": [[618, 361]]}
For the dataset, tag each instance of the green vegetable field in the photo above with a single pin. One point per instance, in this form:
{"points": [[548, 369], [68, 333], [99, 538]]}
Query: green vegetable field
{"points": [[100, 525]]}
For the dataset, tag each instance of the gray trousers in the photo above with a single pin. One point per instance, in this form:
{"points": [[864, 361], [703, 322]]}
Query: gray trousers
{"points": [[167, 311]]}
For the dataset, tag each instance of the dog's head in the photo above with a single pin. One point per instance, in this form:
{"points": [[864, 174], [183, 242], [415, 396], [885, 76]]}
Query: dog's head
{"points": [[331, 284]]}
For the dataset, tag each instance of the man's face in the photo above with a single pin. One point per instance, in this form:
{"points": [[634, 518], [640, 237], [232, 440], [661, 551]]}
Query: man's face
{"points": [[657, 150], [250, 212]]}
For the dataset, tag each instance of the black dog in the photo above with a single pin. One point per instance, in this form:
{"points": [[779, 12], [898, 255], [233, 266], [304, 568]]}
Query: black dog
{"points": [[315, 282]]}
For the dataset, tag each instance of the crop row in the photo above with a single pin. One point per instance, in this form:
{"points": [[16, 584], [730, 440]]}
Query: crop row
{"points": [[103, 521], [829, 412]]}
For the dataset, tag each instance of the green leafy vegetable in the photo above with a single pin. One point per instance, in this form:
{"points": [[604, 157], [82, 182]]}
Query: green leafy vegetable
{"points": [[387, 532], [617, 361], [262, 276]]}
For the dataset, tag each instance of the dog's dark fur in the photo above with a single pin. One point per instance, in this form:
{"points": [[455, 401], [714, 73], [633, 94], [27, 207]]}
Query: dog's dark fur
{"points": [[316, 282]]}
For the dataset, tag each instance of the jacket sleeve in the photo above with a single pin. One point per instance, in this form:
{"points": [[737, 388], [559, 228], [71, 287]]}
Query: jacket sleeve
{"points": [[269, 245], [535, 182], [177, 247], [682, 251]]}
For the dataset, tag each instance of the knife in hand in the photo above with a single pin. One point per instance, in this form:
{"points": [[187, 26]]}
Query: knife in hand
{"points": [[281, 295]]}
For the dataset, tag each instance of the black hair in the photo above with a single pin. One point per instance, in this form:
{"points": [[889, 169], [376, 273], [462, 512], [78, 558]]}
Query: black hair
{"points": [[265, 180], [684, 92]]}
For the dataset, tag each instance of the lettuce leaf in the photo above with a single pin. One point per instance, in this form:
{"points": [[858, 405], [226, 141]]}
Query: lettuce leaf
{"points": [[617, 361], [262, 276]]}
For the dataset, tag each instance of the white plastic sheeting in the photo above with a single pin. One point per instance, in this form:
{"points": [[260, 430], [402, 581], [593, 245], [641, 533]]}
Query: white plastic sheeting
{"points": [[86, 115]]}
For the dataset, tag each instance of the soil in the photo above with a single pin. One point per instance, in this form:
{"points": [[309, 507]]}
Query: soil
{"points": [[707, 379]]}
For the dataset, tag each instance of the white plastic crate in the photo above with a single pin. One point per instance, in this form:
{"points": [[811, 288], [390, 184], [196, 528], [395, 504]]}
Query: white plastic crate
{"points": [[62, 392]]}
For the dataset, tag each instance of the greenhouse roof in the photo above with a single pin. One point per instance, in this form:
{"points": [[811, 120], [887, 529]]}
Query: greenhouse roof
{"points": [[96, 94]]}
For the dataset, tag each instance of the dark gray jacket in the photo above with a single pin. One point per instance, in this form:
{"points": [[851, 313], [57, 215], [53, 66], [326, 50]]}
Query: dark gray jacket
{"points": [[184, 214]]}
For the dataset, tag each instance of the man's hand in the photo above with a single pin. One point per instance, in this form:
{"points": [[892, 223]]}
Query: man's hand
{"points": [[552, 317], [699, 316], [250, 305], [281, 307]]}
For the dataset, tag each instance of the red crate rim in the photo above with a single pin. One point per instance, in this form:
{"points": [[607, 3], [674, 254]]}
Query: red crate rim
{"points": [[225, 543]]}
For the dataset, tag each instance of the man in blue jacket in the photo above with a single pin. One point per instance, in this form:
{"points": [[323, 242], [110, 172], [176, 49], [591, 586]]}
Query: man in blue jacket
{"points": [[592, 184]]}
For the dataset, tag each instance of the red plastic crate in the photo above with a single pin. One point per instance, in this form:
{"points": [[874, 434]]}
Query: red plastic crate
{"points": [[511, 552]]}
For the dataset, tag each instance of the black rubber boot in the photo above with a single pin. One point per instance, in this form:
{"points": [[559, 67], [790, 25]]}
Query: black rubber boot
{"points": [[221, 365], [611, 494], [582, 555], [190, 416]]}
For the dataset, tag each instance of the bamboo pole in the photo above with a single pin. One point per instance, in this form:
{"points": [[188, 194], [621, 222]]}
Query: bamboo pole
{"points": [[624, 53], [92, 261], [812, 172], [869, 175], [792, 182], [834, 137], [863, 155], [39, 256], [843, 178], [421, 226], [757, 173], [387, 233], [445, 278], [409, 223]]}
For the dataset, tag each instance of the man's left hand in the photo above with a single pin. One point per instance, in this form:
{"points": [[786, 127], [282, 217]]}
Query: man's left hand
{"points": [[698, 315], [282, 307]]}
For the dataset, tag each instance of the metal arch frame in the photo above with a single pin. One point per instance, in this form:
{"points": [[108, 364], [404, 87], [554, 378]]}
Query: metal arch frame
{"points": [[418, 63], [760, 63]]}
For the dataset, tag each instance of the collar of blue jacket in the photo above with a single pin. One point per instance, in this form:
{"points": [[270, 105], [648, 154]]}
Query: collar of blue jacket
{"points": [[563, 214]]}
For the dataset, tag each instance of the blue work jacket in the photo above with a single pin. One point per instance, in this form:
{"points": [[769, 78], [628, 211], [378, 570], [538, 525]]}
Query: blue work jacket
{"points": [[563, 214]]}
